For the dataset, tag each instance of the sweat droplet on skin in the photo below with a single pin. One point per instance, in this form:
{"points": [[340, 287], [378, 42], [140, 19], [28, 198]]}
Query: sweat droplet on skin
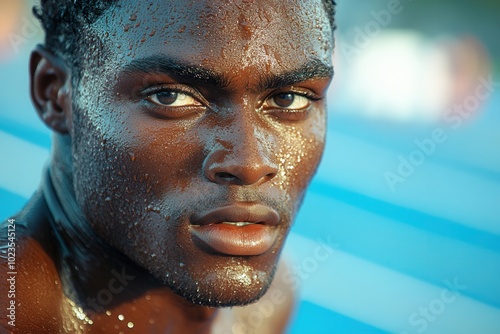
{"points": [[154, 171], [152, 208]]}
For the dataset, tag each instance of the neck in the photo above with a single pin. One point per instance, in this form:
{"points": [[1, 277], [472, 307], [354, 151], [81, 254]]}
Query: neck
{"points": [[103, 285]]}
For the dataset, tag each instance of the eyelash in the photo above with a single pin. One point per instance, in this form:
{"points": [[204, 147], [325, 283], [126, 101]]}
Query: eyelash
{"points": [[308, 95], [174, 89], [173, 111], [291, 115]]}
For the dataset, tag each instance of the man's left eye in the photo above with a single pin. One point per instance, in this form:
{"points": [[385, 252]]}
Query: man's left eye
{"points": [[170, 98], [288, 100]]}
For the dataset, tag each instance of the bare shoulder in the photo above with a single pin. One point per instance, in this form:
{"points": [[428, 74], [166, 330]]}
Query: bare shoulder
{"points": [[29, 280], [272, 313]]}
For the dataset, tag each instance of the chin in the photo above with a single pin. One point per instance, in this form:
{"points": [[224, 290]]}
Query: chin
{"points": [[227, 286]]}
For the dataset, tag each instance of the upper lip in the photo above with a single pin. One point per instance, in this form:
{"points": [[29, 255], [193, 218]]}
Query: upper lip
{"points": [[254, 213]]}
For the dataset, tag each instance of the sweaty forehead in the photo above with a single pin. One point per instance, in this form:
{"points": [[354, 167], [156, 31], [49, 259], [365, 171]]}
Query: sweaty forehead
{"points": [[258, 35]]}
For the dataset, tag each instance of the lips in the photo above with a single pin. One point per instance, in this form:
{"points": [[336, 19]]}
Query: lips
{"points": [[237, 230]]}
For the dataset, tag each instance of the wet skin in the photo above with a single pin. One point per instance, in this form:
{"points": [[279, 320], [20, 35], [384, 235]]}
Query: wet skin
{"points": [[183, 109]]}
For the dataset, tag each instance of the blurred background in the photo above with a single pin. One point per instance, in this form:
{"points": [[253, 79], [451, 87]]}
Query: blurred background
{"points": [[400, 230]]}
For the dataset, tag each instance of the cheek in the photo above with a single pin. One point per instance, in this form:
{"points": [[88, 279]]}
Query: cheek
{"points": [[102, 174], [103, 168], [126, 168], [168, 154], [299, 154]]}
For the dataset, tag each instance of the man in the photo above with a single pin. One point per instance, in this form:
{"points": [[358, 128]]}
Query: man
{"points": [[185, 135]]}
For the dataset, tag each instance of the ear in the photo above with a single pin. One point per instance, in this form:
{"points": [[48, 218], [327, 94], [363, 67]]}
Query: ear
{"points": [[50, 88]]}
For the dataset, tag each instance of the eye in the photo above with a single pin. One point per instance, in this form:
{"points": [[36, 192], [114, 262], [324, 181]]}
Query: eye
{"points": [[290, 106], [171, 98], [288, 100]]}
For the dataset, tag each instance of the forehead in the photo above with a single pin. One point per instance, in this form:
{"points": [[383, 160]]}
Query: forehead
{"points": [[227, 36]]}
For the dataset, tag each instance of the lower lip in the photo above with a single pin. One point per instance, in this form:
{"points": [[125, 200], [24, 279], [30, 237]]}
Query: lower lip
{"points": [[253, 239]]}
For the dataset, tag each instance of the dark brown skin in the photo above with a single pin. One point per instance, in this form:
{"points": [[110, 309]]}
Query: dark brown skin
{"points": [[132, 173]]}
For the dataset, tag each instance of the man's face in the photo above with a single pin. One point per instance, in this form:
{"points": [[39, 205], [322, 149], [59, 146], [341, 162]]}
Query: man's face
{"points": [[196, 131]]}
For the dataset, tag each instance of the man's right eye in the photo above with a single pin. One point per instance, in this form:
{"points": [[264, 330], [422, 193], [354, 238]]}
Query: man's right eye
{"points": [[171, 98]]}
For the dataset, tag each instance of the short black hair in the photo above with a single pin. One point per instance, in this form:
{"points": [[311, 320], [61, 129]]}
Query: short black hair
{"points": [[63, 20]]}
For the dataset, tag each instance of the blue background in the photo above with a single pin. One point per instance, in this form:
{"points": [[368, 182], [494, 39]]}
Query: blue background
{"points": [[391, 253]]}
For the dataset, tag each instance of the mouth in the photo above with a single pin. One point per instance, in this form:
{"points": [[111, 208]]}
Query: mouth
{"points": [[237, 230]]}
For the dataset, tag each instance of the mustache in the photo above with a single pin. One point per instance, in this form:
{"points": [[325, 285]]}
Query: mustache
{"points": [[247, 195], [208, 200]]}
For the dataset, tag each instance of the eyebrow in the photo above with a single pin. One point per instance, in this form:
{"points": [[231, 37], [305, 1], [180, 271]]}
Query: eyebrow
{"points": [[314, 69], [172, 66]]}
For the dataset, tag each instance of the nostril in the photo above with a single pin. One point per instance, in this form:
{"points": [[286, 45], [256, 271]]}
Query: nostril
{"points": [[271, 175], [224, 176]]}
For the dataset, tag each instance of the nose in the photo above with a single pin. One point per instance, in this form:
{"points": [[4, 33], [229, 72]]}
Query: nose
{"points": [[241, 156]]}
